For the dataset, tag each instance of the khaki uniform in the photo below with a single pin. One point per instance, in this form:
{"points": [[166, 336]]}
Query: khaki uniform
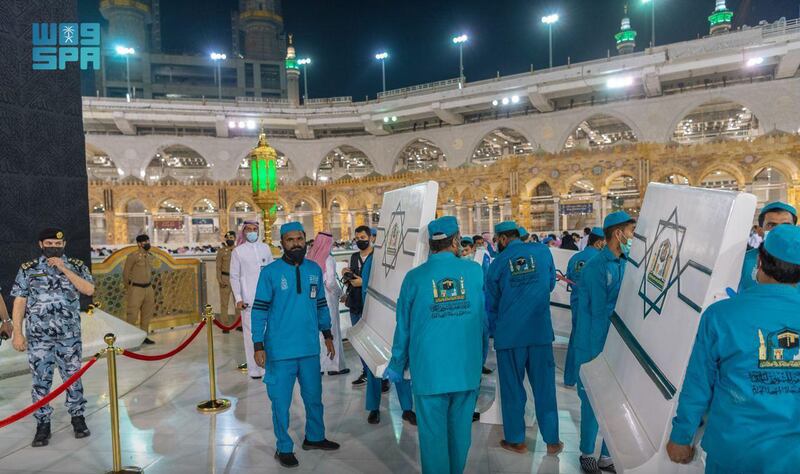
{"points": [[137, 276], [224, 281]]}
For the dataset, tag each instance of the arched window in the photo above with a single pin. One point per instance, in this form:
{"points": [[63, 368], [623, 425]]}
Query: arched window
{"points": [[720, 179], [717, 119], [543, 208], [100, 167], [178, 163], [598, 132], [343, 162], [498, 143], [420, 155], [770, 185]]}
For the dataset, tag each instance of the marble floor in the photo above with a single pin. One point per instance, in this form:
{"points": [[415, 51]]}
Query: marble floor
{"points": [[162, 432]]}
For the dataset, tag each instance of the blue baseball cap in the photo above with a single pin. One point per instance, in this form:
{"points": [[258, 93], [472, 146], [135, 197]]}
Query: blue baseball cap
{"points": [[783, 243], [505, 226], [291, 226], [778, 206], [467, 240], [373, 231], [598, 231], [522, 232], [443, 227], [617, 218]]}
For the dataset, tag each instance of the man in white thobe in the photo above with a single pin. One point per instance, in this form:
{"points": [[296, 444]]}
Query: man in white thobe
{"points": [[333, 292], [247, 260]]}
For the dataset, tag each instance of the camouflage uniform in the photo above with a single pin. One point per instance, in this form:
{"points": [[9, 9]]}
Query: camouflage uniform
{"points": [[53, 329]]}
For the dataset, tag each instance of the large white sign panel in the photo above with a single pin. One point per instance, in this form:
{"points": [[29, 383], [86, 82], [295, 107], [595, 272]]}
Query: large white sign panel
{"points": [[688, 247], [401, 244]]}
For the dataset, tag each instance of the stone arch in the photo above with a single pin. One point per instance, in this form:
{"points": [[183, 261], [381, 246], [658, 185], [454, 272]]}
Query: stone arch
{"points": [[191, 166], [718, 98], [533, 184], [205, 203], [341, 198], [674, 170], [100, 165], [618, 174], [486, 135], [600, 114], [732, 170], [431, 155], [566, 184], [344, 160], [169, 202], [784, 165]]}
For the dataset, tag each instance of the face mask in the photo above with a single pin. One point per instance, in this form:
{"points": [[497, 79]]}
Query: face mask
{"points": [[146, 246], [626, 247], [500, 247], [50, 252], [229, 243], [362, 244], [296, 255], [251, 237], [766, 233]]}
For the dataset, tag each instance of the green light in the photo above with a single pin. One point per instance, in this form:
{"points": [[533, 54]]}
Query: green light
{"points": [[625, 36], [720, 17], [272, 174], [273, 210], [254, 175], [262, 175], [292, 64]]}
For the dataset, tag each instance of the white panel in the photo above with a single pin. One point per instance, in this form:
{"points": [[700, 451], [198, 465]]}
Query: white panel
{"points": [[401, 244], [688, 248], [560, 312]]}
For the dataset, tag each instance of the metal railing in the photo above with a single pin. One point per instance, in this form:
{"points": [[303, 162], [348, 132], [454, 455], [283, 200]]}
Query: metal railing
{"points": [[345, 99], [420, 88], [263, 100], [780, 27]]}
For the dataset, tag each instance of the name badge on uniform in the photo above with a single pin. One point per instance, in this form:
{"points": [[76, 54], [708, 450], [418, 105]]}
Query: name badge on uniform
{"points": [[313, 293], [263, 262]]}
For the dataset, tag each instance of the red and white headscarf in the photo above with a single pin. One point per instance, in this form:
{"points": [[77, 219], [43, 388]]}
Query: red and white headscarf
{"points": [[321, 249], [242, 238]]}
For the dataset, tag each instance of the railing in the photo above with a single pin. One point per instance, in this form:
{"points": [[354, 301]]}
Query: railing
{"points": [[345, 99], [420, 88], [263, 100], [780, 27]]}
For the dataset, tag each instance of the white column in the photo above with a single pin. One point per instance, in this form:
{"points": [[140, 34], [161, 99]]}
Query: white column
{"points": [[491, 214], [556, 216]]}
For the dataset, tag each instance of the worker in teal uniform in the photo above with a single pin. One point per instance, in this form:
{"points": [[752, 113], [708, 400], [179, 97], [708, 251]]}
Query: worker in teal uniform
{"points": [[289, 311], [374, 384], [595, 242], [772, 215], [518, 290], [744, 372], [523, 234], [598, 290], [440, 317]]}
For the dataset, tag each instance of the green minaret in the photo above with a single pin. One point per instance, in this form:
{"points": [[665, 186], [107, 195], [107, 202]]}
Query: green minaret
{"points": [[720, 21], [626, 38]]}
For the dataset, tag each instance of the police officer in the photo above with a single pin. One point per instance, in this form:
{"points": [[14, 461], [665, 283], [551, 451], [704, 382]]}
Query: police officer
{"points": [[224, 277], [137, 276], [440, 317], [594, 243], [289, 311], [47, 292], [376, 386], [744, 371], [598, 290], [518, 288], [771, 215]]}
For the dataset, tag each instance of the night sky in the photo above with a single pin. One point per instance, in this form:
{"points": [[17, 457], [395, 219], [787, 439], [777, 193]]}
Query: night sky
{"points": [[342, 36]]}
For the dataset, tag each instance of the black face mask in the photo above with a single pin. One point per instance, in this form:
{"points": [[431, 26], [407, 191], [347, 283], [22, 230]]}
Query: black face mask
{"points": [[50, 252], [296, 255], [500, 247], [146, 246], [229, 243], [362, 244]]}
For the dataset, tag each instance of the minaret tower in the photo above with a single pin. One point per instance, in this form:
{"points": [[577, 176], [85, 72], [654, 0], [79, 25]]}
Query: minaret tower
{"points": [[720, 21], [626, 38], [292, 75]]}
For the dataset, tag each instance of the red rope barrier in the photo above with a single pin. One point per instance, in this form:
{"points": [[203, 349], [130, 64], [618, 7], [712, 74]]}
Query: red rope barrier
{"points": [[231, 327], [53, 394], [186, 342]]}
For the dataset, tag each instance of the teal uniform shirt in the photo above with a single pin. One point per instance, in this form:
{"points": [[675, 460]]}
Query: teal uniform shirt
{"points": [[440, 315], [748, 279], [574, 267], [365, 271], [518, 288], [289, 310], [597, 296], [744, 373]]}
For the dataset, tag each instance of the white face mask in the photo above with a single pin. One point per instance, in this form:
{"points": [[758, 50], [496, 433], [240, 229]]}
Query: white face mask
{"points": [[251, 236]]}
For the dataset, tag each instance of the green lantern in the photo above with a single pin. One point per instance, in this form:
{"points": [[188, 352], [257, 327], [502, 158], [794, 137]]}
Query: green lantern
{"points": [[264, 174]]}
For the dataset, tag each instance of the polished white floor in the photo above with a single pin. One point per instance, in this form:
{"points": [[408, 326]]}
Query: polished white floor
{"points": [[162, 431]]}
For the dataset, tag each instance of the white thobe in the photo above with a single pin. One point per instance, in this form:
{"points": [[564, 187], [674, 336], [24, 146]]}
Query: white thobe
{"points": [[247, 260], [583, 242], [332, 294]]}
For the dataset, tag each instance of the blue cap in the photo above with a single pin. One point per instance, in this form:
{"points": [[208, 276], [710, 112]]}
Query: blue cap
{"points": [[522, 232], [467, 240], [598, 231], [443, 227], [783, 243], [505, 226], [778, 206], [291, 226], [616, 218], [373, 231], [547, 240]]}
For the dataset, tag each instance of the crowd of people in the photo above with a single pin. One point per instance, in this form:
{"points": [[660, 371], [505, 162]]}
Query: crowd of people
{"points": [[471, 289]]}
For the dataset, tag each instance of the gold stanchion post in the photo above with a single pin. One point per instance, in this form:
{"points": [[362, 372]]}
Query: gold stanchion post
{"points": [[111, 354], [215, 404]]}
